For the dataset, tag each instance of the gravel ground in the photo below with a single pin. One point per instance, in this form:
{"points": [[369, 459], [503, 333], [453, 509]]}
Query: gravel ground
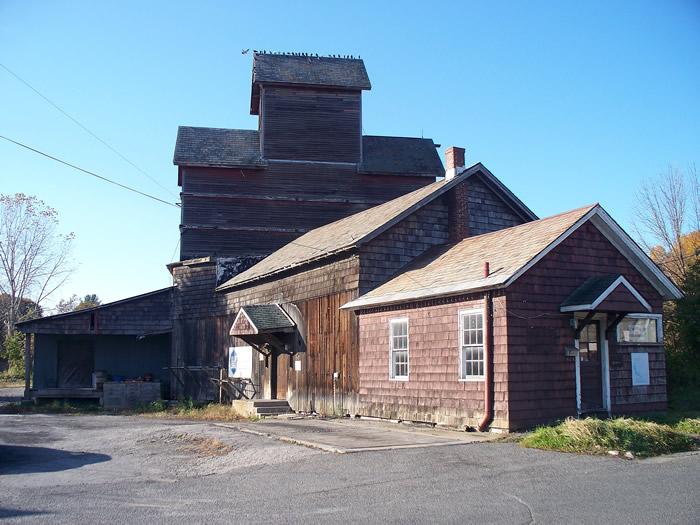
{"points": [[115, 469], [106, 448]]}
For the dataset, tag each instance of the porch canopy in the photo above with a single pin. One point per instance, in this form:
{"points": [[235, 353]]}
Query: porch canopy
{"points": [[606, 293], [271, 331]]}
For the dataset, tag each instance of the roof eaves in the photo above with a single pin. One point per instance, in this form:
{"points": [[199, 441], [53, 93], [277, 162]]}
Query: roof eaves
{"points": [[637, 257], [232, 286], [95, 308], [424, 294]]}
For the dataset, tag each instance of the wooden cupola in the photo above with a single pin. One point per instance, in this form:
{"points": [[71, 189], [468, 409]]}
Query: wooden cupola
{"points": [[309, 107]]}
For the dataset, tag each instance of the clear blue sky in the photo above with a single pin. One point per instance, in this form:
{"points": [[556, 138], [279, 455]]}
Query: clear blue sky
{"points": [[567, 103]]}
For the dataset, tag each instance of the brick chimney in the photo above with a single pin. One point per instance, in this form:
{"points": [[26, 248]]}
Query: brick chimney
{"points": [[457, 202], [454, 160]]}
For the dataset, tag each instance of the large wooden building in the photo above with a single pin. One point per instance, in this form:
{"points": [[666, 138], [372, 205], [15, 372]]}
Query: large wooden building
{"points": [[368, 287]]}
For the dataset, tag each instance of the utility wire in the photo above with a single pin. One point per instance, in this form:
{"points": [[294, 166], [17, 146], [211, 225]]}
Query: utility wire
{"points": [[84, 128], [88, 172]]}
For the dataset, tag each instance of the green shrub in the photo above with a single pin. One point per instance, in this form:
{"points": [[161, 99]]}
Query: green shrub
{"points": [[13, 352], [596, 436]]}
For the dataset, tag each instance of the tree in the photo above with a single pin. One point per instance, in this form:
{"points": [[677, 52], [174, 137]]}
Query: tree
{"points": [[34, 256], [89, 301], [75, 303], [668, 220], [27, 309]]}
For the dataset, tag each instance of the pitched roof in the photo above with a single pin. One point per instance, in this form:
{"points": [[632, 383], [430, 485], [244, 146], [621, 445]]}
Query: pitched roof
{"points": [[458, 268], [400, 155], [346, 73], [217, 147], [352, 231], [267, 317], [595, 290], [221, 147], [590, 290]]}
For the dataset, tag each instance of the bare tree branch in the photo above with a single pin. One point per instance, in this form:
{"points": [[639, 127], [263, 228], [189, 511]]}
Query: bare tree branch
{"points": [[34, 257]]}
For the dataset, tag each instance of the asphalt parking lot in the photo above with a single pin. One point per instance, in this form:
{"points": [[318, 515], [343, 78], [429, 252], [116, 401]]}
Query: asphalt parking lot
{"points": [[86, 469]]}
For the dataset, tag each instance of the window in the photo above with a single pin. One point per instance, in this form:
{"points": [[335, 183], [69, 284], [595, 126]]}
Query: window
{"points": [[471, 344], [639, 329], [398, 344]]}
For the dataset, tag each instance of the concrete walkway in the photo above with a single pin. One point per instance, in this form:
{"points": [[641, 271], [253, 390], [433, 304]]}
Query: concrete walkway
{"points": [[344, 436]]}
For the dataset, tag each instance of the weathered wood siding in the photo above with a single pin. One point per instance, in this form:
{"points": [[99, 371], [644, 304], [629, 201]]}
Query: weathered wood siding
{"points": [[386, 254], [301, 123], [203, 320], [487, 211], [542, 379], [137, 316], [433, 391], [234, 212]]}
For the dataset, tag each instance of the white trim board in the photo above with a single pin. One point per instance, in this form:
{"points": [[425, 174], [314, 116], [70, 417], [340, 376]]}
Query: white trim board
{"points": [[250, 321], [610, 289]]}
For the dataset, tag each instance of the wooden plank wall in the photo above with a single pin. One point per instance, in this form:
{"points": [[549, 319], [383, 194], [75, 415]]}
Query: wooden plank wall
{"points": [[136, 316], [301, 123], [233, 212]]}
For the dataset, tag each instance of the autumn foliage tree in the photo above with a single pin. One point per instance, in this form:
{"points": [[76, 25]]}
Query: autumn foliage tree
{"points": [[668, 226]]}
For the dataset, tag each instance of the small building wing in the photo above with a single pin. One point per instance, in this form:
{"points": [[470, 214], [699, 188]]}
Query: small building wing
{"points": [[141, 315], [459, 268]]}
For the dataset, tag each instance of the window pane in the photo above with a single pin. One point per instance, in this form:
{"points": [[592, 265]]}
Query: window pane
{"points": [[638, 330]]}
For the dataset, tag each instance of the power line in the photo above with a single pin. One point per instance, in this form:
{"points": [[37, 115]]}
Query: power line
{"points": [[76, 121], [88, 172]]}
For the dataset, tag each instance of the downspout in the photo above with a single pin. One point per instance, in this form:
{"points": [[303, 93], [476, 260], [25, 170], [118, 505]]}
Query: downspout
{"points": [[488, 358]]}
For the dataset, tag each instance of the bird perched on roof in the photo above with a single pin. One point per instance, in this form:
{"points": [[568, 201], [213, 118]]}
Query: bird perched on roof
{"points": [[244, 51]]}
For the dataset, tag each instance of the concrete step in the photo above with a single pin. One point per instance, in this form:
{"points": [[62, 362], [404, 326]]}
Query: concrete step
{"points": [[270, 403], [272, 411]]}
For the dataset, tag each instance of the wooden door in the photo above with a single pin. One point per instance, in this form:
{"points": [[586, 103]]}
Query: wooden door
{"points": [[76, 363], [591, 368]]}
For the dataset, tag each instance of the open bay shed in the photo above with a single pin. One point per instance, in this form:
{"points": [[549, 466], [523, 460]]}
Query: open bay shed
{"points": [[119, 341]]}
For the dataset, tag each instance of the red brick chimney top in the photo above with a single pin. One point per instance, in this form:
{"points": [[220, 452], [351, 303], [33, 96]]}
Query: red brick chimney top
{"points": [[454, 160]]}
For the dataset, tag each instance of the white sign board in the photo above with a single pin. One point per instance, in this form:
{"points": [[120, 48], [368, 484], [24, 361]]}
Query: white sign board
{"points": [[240, 362], [640, 368]]}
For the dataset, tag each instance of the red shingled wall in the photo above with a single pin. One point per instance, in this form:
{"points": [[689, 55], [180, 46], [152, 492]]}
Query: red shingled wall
{"points": [[433, 391], [542, 379]]}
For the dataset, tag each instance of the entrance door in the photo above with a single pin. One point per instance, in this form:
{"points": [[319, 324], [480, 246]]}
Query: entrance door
{"points": [[76, 362], [591, 368]]}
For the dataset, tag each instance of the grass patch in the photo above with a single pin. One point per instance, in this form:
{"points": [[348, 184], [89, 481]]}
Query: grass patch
{"points": [[10, 381], [187, 409], [598, 436]]}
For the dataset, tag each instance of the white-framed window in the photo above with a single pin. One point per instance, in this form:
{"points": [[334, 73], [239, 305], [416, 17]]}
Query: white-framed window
{"points": [[640, 329], [398, 349], [471, 343], [640, 368]]}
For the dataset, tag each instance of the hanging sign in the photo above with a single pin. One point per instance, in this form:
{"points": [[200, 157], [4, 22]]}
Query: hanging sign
{"points": [[240, 362]]}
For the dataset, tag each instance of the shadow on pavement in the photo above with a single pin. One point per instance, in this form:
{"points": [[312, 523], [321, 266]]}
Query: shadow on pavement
{"points": [[17, 513], [15, 459]]}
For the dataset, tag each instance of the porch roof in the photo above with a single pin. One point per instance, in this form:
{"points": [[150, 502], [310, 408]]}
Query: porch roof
{"points": [[606, 293], [261, 318]]}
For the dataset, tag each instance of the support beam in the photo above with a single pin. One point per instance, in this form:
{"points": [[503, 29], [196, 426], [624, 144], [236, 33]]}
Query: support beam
{"points": [[583, 323], [27, 366]]}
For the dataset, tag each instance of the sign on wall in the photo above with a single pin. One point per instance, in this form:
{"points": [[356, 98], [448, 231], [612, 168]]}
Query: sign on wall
{"points": [[640, 368], [240, 362]]}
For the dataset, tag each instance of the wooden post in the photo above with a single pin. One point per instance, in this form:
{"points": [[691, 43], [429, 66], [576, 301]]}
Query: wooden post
{"points": [[27, 366], [273, 374]]}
